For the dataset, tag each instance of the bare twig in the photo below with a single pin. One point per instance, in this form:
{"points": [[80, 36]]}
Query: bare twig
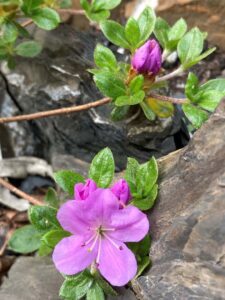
{"points": [[175, 73], [27, 23], [55, 112], [19, 193], [71, 11], [168, 99]]}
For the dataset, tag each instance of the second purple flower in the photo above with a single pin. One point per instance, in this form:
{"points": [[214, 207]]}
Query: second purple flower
{"points": [[148, 58]]}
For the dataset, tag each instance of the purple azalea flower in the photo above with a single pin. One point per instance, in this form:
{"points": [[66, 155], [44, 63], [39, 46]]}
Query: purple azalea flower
{"points": [[99, 231], [82, 191], [148, 58], [122, 191]]}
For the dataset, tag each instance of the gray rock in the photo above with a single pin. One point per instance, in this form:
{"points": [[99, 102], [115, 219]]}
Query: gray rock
{"points": [[188, 221], [32, 278]]}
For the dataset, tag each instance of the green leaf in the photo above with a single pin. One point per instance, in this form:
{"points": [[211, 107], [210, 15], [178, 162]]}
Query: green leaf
{"points": [[45, 18], [115, 33], [110, 85], [44, 250], [30, 5], [102, 168], [131, 174], [200, 57], [9, 32], [175, 33], [131, 100], [161, 31], [147, 176], [104, 58], [25, 240], [136, 84], [190, 46], [195, 115], [119, 113], [85, 5], [43, 218], [76, 287], [149, 200], [141, 248], [107, 288], [209, 100], [146, 23], [51, 198], [98, 16], [142, 265], [105, 4], [162, 109], [191, 87], [95, 292], [150, 115], [53, 237], [132, 33], [28, 49], [67, 179], [214, 84]]}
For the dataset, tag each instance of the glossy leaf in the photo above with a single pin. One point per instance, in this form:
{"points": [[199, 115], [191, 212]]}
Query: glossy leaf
{"points": [[132, 32], [95, 292], [130, 100], [119, 113], [104, 58], [191, 87], [67, 179], [46, 18], [102, 168], [43, 218], [209, 100], [147, 176], [150, 115], [109, 84], [190, 46], [146, 24], [53, 237], [51, 198], [161, 31], [131, 173], [149, 200], [107, 288], [195, 115], [136, 84], [115, 33], [105, 4]]}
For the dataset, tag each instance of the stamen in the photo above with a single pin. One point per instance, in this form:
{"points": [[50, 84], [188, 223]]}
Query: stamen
{"points": [[99, 250], [107, 229], [112, 242], [88, 242], [94, 243]]}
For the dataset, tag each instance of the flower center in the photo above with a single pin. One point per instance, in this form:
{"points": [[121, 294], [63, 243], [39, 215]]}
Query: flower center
{"points": [[100, 233]]}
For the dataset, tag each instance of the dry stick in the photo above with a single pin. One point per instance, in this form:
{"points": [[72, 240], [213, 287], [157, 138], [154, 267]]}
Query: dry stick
{"points": [[71, 11], [55, 112], [26, 23], [19, 193], [168, 99]]}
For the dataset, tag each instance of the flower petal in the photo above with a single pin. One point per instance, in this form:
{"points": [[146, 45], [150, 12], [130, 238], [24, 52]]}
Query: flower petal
{"points": [[100, 205], [71, 257], [117, 266], [72, 218], [130, 224]]}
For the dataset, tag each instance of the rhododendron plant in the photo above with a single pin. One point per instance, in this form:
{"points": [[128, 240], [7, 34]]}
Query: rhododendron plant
{"points": [[99, 229]]}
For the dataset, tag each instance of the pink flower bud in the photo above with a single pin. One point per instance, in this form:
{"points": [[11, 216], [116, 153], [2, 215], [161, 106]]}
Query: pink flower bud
{"points": [[82, 191], [122, 191], [148, 58]]}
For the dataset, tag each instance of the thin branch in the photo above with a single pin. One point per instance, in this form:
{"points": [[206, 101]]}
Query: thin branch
{"points": [[27, 23], [55, 112], [19, 193], [168, 99], [71, 11], [175, 73]]}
